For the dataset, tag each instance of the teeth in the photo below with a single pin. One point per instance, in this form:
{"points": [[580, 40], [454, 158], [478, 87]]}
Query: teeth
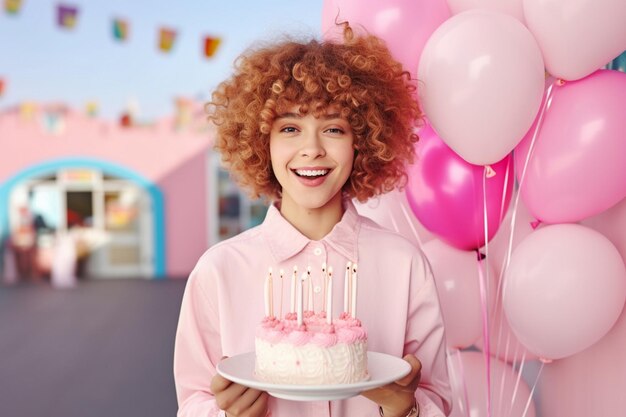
{"points": [[311, 172]]}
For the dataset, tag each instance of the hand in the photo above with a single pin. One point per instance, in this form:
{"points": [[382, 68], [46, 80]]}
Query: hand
{"points": [[397, 398], [238, 400]]}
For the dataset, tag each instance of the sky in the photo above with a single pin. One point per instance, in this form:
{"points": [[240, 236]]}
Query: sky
{"points": [[41, 62]]}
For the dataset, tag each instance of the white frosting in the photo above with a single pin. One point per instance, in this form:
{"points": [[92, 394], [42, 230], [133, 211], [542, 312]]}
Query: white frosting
{"points": [[311, 364]]}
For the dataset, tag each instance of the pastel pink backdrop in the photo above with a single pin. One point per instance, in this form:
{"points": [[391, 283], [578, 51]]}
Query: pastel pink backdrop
{"points": [[175, 161]]}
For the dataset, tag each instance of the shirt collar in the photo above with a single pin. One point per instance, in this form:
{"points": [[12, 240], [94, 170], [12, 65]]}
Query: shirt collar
{"points": [[285, 241]]}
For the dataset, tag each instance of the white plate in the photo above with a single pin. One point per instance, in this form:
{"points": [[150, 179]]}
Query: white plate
{"points": [[382, 368]]}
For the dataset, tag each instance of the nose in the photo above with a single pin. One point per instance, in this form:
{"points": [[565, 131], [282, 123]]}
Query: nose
{"points": [[312, 145]]}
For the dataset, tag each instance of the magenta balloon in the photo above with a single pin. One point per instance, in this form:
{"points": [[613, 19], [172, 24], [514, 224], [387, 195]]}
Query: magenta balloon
{"points": [[446, 193], [578, 165], [405, 25]]}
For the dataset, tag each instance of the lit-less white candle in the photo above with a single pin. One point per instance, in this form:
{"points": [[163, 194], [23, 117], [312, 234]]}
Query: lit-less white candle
{"points": [[346, 289], [299, 298], [309, 305], [267, 292], [324, 278], [354, 282], [329, 296], [293, 289], [282, 273]]}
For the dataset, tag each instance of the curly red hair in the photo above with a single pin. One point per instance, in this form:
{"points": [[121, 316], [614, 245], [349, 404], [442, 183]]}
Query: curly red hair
{"points": [[358, 76]]}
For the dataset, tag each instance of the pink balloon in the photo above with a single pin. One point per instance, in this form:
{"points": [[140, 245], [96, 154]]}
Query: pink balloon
{"points": [[468, 374], [578, 165], [481, 79], [511, 7], [405, 25], [458, 285], [392, 211], [564, 289], [590, 383], [446, 193], [577, 36], [503, 344], [612, 224]]}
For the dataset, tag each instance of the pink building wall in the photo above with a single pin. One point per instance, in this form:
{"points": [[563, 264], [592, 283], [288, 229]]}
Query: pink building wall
{"points": [[174, 159]]}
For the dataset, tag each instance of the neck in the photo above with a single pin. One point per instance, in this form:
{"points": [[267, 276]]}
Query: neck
{"points": [[313, 223]]}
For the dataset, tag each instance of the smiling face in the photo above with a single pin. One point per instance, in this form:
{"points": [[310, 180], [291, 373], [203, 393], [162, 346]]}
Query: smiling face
{"points": [[311, 159]]}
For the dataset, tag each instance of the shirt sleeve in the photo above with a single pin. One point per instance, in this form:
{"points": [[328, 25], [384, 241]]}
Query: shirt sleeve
{"points": [[197, 349], [426, 340]]}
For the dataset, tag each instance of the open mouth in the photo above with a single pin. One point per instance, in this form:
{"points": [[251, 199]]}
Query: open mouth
{"points": [[311, 173]]}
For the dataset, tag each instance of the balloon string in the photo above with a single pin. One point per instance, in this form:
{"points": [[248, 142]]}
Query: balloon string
{"points": [[463, 403], [408, 220], [483, 294], [532, 391], [519, 376], [500, 291]]}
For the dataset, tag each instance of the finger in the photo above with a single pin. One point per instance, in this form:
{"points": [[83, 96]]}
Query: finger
{"points": [[259, 407], [227, 398], [416, 371], [219, 383], [244, 400]]}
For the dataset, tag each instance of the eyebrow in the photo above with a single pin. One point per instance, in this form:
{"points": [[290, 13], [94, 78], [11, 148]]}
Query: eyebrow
{"points": [[298, 116]]}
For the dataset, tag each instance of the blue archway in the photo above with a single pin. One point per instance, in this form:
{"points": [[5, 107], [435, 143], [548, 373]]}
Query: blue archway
{"points": [[48, 167]]}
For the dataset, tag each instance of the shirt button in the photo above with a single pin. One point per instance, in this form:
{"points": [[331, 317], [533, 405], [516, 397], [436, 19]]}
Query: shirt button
{"points": [[317, 251], [317, 289]]}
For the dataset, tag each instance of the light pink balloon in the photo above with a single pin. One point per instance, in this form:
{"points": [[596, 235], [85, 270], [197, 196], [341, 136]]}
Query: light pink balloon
{"points": [[446, 193], [590, 383], [578, 164], [577, 37], [564, 289], [405, 25], [392, 211], [481, 79], [468, 373], [513, 8], [503, 344], [458, 285]]}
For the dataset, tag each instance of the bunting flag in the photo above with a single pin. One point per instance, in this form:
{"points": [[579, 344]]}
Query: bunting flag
{"points": [[28, 111], [210, 46], [2, 86], [167, 37], [67, 16], [120, 29], [91, 108], [12, 6]]}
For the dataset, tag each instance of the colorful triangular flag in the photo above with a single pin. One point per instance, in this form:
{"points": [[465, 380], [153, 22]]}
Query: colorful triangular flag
{"points": [[167, 37], [67, 16], [2, 86], [120, 29], [12, 6], [92, 108], [210, 45]]}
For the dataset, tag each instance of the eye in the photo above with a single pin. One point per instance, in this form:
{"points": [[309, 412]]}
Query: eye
{"points": [[336, 130], [288, 129]]}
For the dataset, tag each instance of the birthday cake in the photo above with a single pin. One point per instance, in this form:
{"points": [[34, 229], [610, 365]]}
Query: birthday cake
{"points": [[308, 347]]}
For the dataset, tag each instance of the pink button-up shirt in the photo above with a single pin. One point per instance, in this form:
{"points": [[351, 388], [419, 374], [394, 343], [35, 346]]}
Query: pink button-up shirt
{"points": [[224, 302]]}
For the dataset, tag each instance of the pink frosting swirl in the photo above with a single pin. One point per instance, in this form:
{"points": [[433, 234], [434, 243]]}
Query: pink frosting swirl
{"points": [[325, 339], [299, 337]]}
